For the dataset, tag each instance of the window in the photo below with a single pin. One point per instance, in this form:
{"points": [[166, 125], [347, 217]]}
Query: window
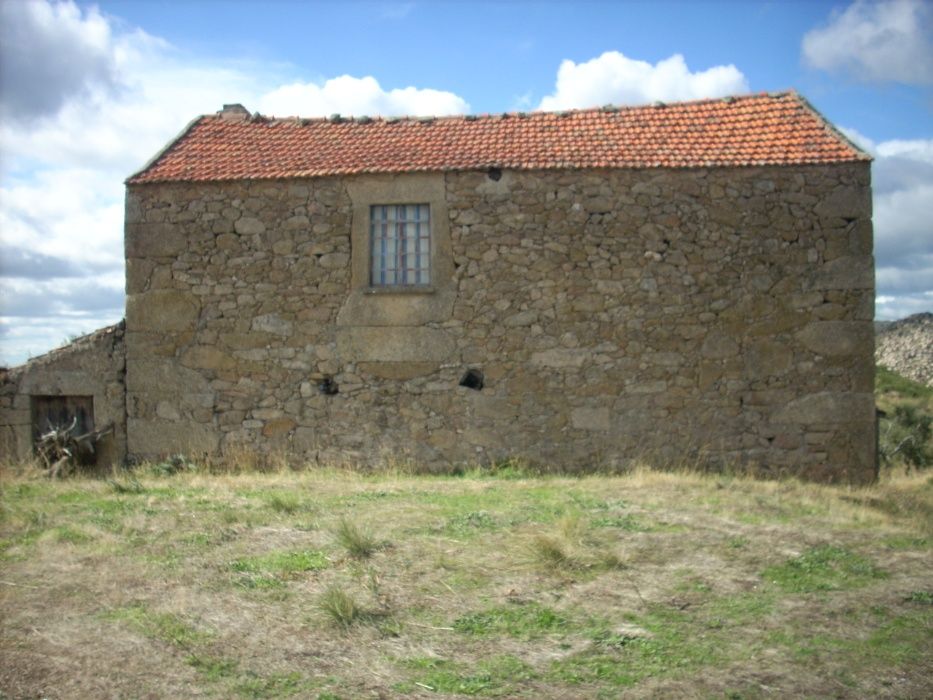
{"points": [[400, 241]]}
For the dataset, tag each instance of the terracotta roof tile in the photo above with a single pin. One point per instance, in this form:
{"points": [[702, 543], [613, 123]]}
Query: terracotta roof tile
{"points": [[768, 129]]}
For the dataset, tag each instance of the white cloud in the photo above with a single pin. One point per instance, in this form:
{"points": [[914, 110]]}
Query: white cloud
{"points": [[615, 78], [358, 97], [123, 95], [876, 41], [891, 308], [48, 53]]}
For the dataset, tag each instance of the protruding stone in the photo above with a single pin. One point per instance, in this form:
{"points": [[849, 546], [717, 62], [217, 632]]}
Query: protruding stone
{"points": [[272, 323], [162, 310], [559, 357], [207, 357], [278, 427], [838, 338], [590, 418], [828, 408], [398, 370], [394, 344], [249, 226], [847, 272], [845, 203], [718, 345]]}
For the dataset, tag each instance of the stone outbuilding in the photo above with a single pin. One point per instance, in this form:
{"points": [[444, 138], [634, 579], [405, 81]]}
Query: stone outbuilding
{"points": [[678, 281], [82, 382]]}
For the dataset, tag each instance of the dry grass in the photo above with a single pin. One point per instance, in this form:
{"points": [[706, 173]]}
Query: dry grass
{"points": [[239, 584]]}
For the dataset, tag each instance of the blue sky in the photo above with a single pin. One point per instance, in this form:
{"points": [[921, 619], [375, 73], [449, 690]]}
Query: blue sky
{"points": [[89, 92]]}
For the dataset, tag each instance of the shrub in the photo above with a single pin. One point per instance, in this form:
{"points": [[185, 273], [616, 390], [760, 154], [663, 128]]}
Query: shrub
{"points": [[905, 436]]}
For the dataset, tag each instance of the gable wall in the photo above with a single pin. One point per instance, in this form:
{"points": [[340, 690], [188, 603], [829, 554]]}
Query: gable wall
{"points": [[725, 313]]}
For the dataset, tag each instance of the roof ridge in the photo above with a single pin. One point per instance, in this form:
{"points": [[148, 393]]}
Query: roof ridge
{"points": [[75, 344], [518, 114]]}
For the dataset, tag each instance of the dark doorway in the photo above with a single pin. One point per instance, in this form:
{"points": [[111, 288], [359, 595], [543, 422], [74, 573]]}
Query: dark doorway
{"points": [[50, 412]]}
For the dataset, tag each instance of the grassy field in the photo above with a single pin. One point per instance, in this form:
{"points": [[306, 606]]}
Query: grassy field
{"points": [[335, 585]]}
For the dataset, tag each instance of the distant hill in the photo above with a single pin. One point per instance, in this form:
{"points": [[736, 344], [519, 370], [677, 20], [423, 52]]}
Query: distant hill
{"points": [[906, 346]]}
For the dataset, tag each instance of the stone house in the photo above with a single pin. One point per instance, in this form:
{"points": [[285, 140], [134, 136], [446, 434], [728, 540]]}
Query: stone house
{"points": [[582, 288]]}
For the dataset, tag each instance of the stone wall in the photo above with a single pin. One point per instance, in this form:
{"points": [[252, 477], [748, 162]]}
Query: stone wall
{"points": [[92, 365], [721, 314]]}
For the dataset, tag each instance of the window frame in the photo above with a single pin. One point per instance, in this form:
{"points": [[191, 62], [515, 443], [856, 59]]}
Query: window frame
{"points": [[390, 257], [366, 305]]}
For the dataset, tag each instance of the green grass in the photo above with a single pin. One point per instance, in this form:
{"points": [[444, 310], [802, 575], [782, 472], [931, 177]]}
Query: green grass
{"points": [[197, 644], [629, 523], [889, 382], [277, 685], [273, 569], [165, 627], [824, 568], [922, 597], [494, 676], [519, 620], [72, 535], [471, 524], [212, 668]]}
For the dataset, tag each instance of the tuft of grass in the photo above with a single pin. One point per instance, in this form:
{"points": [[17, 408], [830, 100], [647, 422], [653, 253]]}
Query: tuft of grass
{"points": [[358, 542], [173, 465], [550, 552], [129, 485], [572, 549], [511, 468], [286, 503], [340, 606], [824, 568]]}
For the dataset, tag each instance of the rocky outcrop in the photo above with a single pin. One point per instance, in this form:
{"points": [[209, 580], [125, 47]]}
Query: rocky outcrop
{"points": [[906, 347]]}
